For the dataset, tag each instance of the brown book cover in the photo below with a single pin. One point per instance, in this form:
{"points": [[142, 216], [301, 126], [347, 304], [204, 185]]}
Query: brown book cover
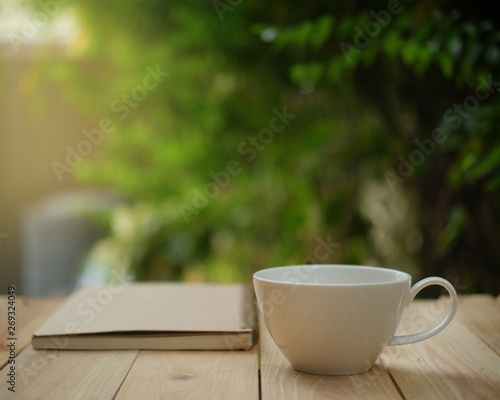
{"points": [[153, 316]]}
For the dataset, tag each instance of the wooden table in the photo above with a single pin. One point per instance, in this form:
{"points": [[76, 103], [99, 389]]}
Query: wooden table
{"points": [[462, 362]]}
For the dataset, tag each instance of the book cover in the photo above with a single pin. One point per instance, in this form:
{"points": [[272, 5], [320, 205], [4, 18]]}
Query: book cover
{"points": [[161, 316]]}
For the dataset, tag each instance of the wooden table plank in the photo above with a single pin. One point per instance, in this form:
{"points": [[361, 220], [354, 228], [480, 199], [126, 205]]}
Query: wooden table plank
{"points": [[62, 375], [461, 362], [481, 313], [30, 314], [193, 375], [454, 364], [280, 381], [58, 374]]}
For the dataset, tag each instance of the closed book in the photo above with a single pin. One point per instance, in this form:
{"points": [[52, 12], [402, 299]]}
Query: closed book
{"points": [[152, 316]]}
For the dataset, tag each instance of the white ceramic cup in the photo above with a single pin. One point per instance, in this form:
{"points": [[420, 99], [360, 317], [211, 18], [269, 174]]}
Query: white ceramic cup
{"points": [[337, 319]]}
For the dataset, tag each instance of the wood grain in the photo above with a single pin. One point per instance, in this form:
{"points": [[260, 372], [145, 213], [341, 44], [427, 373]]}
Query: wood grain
{"points": [[280, 381], [76, 375], [454, 364], [481, 313], [30, 314], [461, 362], [193, 375]]}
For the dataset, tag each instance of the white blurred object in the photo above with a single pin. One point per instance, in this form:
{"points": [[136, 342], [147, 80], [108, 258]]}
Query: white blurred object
{"points": [[57, 237]]}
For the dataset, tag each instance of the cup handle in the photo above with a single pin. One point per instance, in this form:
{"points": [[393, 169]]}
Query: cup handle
{"points": [[417, 287]]}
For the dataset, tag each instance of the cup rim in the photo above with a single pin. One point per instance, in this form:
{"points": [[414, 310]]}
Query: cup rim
{"points": [[403, 276]]}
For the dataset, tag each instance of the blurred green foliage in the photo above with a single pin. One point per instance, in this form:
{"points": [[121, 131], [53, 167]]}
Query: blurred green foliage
{"points": [[366, 82]]}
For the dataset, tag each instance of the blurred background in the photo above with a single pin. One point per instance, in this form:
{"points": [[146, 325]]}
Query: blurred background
{"points": [[203, 140]]}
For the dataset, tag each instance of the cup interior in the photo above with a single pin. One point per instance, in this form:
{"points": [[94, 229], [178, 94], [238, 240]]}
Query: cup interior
{"points": [[331, 275]]}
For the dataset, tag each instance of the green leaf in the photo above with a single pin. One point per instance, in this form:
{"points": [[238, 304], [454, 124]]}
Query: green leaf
{"points": [[446, 64], [302, 33], [410, 52], [392, 43], [489, 163], [323, 28], [457, 223], [470, 55], [307, 74]]}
